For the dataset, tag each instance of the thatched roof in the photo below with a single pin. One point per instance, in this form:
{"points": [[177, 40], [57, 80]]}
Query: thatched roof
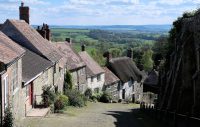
{"points": [[28, 37], [110, 77], [33, 65], [92, 67], [125, 69], [9, 50], [70, 58]]}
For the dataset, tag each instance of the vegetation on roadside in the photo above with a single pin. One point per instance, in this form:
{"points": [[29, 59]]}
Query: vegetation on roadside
{"points": [[8, 120]]}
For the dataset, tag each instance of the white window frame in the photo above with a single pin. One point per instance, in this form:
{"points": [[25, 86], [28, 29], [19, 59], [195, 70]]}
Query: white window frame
{"points": [[5, 81]]}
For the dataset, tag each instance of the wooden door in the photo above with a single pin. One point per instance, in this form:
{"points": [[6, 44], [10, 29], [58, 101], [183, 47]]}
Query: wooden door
{"points": [[31, 93], [123, 93]]}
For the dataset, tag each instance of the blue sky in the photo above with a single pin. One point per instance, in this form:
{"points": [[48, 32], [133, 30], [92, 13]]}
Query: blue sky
{"points": [[99, 12]]}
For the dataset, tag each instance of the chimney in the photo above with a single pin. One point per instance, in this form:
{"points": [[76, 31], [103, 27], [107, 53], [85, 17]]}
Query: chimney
{"points": [[69, 40], [48, 32], [108, 56], [24, 12], [82, 47], [130, 53], [42, 32]]}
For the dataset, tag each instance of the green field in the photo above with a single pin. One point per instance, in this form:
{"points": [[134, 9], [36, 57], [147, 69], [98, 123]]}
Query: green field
{"points": [[99, 41]]}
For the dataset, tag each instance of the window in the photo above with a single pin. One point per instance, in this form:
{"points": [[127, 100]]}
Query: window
{"points": [[92, 79], [5, 82], [14, 78], [98, 78], [81, 71], [27, 91]]}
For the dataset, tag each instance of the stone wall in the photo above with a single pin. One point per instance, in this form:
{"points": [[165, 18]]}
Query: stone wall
{"points": [[113, 89], [16, 97], [180, 84]]}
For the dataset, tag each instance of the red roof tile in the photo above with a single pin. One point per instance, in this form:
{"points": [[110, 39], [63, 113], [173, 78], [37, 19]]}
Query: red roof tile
{"points": [[9, 50]]}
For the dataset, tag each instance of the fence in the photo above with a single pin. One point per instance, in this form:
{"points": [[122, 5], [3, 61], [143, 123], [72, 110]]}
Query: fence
{"points": [[170, 119]]}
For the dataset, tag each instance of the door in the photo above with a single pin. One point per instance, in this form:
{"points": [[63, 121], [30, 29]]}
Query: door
{"points": [[31, 93], [123, 93]]}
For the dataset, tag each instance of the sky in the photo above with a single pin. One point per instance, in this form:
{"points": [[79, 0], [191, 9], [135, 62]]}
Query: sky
{"points": [[99, 12]]}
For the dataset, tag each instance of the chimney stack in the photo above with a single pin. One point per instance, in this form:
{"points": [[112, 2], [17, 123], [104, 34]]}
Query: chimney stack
{"points": [[69, 40], [130, 53], [82, 47], [48, 32], [24, 12], [45, 32], [108, 56]]}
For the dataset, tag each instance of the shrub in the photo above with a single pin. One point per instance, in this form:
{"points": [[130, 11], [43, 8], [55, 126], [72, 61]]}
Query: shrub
{"points": [[48, 96], [88, 93], [60, 102], [8, 118], [68, 84], [76, 98], [106, 97]]}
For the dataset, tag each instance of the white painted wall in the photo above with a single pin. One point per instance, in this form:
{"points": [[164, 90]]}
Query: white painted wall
{"points": [[128, 86], [96, 84]]}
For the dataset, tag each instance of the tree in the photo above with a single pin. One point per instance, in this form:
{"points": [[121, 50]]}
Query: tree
{"points": [[147, 60]]}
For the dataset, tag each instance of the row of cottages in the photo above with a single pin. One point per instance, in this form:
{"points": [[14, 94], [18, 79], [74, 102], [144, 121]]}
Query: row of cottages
{"points": [[74, 64], [28, 62]]}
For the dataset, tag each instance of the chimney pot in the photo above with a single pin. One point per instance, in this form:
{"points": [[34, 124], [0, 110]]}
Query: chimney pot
{"points": [[22, 4], [24, 13], [130, 53], [83, 47], [108, 56], [69, 40]]}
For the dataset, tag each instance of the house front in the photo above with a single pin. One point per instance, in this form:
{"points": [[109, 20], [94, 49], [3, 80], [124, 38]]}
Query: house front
{"points": [[34, 77], [95, 73], [131, 87], [11, 76], [112, 84], [74, 64]]}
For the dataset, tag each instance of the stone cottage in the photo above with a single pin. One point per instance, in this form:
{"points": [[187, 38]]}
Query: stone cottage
{"points": [[95, 73], [34, 77], [131, 87], [112, 83], [28, 37], [11, 76], [73, 64]]}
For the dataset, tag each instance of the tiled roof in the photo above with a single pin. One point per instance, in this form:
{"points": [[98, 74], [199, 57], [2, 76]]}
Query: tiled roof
{"points": [[110, 77], [70, 58], [125, 69], [32, 65], [92, 67], [9, 50], [29, 38]]}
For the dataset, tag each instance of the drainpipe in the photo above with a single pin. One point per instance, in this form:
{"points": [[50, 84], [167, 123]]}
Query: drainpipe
{"points": [[1, 102]]}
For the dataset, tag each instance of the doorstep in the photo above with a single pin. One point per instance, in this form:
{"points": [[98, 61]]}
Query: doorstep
{"points": [[38, 112]]}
